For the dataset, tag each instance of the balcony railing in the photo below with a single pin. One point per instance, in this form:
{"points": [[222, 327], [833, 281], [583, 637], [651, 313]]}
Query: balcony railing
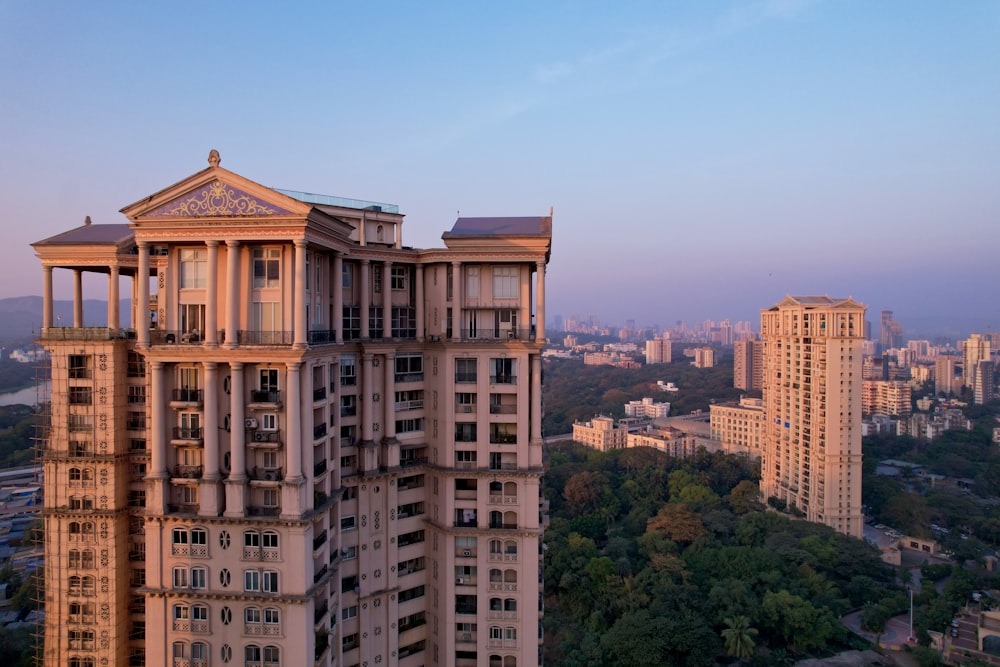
{"points": [[319, 393], [322, 336], [503, 439], [503, 409], [254, 510], [188, 433], [319, 468], [264, 437], [264, 337], [187, 395], [319, 574], [348, 410], [265, 396], [499, 335], [403, 406], [503, 379], [412, 461], [172, 337], [319, 430], [503, 465], [499, 525], [261, 474], [319, 540], [466, 523], [188, 472], [409, 377]]}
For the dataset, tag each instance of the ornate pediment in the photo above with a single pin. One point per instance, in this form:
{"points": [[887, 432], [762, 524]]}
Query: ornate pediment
{"points": [[216, 199]]}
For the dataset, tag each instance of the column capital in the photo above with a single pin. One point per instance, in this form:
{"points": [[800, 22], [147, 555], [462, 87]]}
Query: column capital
{"points": [[293, 365], [210, 365], [233, 243], [236, 365], [212, 243], [300, 243], [142, 244]]}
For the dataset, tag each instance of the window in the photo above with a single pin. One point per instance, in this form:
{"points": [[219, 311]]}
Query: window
{"points": [[269, 581], [347, 276], [251, 654], [349, 612], [348, 405], [465, 432], [251, 580], [505, 282], [266, 267], [409, 368], [350, 553], [80, 395], [194, 268], [377, 279], [136, 365], [272, 621], [348, 523], [266, 316], [268, 379], [269, 422], [79, 367], [465, 458], [199, 577], [409, 400], [503, 371], [352, 322], [180, 578], [348, 371], [136, 394], [465, 370], [269, 541], [409, 425], [399, 275], [472, 282], [192, 320]]}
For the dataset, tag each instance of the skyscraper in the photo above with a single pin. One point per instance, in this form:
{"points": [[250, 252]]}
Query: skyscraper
{"points": [[306, 443], [891, 332], [748, 364], [659, 351], [812, 408], [975, 348]]}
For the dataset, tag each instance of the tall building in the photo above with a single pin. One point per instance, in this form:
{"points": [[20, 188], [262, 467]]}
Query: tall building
{"points": [[944, 374], [886, 397], [975, 348], [704, 357], [659, 351], [306, 443], [891, 332], [812, 408], [748, 364], [982, 390]]}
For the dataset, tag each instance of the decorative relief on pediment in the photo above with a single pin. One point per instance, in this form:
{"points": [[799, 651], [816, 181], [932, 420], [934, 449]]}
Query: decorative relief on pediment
{"points": [[217, 199]]}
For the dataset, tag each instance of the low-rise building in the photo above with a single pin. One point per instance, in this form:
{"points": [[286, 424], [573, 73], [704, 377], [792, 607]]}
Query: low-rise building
{"points": [[886, 397], [601, 433], [739, 427], [647, 408]]}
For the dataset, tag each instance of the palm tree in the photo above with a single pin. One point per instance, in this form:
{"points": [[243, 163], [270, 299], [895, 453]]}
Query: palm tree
{"points": [[738, 637]]}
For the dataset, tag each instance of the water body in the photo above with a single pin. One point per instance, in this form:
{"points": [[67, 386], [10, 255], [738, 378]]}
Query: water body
{"points": [[26, 396]]}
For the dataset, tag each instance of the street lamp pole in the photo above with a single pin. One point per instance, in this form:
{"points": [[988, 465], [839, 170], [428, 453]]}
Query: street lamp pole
{"points": [[911, 613]]}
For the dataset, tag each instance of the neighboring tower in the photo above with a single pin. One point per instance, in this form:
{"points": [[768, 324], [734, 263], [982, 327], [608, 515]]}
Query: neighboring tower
{"points": [[982, 390], [975, 348], [812, 405], [891, 332], [659, 351], [944, 374], [748, 362], [308, 444]]}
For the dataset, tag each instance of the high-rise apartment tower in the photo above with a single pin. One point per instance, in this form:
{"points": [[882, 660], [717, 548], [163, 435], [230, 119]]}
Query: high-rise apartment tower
{"points": [[812, 407], [305, 444]]}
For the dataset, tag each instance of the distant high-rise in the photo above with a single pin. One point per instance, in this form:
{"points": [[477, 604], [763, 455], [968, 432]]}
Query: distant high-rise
{"points": [[659, 351], [982, 389], [892, 332], [704, 357], [944, 374], [748, 364], [976, 348], [812, 407]]}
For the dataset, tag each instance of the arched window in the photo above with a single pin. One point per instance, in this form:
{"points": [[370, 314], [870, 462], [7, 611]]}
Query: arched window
{"points": [[199, 618], [509, 661], [496, 632], [496, 546], [496, 661], [74, 530], [272, 621], [75, 585], [510, 519], [510, 577], [199, 542], [199, 577], [496, 519], [496, 576], [251, 653], [251, 621], [199, 653], [180, 650], [510, 633], [81, 662], [496, 604], [510, 488], [496, 488], [510, 547], [90, 585], [87, 529], [74, 475], [510, 605], [272, 656], [269, 542]]}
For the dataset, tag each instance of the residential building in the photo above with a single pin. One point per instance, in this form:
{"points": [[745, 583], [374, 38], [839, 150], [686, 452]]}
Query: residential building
{"points": [[944, 374], [812, 407], [982, 388], [647, 408], [601, 433], [891, 335], [975, 348], [739, 426], [305, 444], [748, 364], [670, 441], [704, 357], [892, 398], [659, 351]]}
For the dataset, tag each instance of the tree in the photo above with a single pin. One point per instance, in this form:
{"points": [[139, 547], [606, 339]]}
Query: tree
{"points": [[744, 498], [582, 492], [738, 637], [873, 619], [677, 522]]}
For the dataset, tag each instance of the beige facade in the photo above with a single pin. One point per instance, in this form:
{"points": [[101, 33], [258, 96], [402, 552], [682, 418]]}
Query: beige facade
{"points": [[659, 351], [306, 444], [739, 427], [601, 433], [748, 364], [880, 397], [975, 348], [812, 408], [704, 357]]}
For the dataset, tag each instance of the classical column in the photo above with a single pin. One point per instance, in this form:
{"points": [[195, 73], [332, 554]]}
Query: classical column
{"points": [[387, 300], [338, 297], [211, 332], [456, 299], [540, 304], [293, 410], [365, 298], [77, 299], [46, 297], [208, 495], [158, 446], [299, 296], [114, 306], [536, 399], [232, 292], [419, 296], [142, 310], [367, 414], [390, 397], [236, 482]]}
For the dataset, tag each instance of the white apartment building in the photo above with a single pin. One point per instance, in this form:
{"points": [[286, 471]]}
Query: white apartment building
{"points": [[659, 351], [886, 397], [739, 427], [305, 444], [647, 408]]}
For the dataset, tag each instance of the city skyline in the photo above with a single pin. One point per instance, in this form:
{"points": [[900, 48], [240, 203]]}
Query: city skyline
{"points": [[722, 156]]}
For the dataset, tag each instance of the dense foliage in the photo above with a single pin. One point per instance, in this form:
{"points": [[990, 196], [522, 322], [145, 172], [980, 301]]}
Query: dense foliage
{"points": [[17, 427], [658, 561], [574, 392], [15, 375]]}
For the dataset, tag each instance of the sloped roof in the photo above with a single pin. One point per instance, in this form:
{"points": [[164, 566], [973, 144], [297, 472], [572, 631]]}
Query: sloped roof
{"points": [[540, 226], [91, 234]]}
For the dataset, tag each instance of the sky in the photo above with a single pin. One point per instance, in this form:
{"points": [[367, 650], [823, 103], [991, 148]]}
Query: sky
{"points": [[703, 158]]}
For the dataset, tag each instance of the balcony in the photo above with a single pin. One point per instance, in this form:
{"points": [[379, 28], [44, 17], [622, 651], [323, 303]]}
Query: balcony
{"points": [[319, 613], [264, 439], [498, 335], [173, 337], [410, 377], [503, 439], [503, 409], [322, 337], [319, 468], [412, 461], [319, 540], [319, 394], [187, 472], [320, 574], [264, 337], [265, 396], [503, 465], [190, 396], [499, 525], [319, 431], [403, 406], [503, 379], [188, 433], [348, 410], [261, 474], [466, 523], [255, 510]]}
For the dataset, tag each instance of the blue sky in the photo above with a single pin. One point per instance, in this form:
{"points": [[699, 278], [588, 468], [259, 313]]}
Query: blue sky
{"points": [[703, 158]]}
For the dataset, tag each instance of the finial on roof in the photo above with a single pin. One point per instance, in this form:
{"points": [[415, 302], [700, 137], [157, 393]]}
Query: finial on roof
{"points": [[213, 158], [86, 220]]}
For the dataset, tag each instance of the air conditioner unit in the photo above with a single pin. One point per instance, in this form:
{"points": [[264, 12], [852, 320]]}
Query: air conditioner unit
{"points": [[344, 550], [259, 436], [271, 475], [467, 553], [250, 423], [460, 580]]}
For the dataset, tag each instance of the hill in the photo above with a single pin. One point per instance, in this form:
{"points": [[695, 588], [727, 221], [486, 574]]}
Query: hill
{"points": [[21, 316]]}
